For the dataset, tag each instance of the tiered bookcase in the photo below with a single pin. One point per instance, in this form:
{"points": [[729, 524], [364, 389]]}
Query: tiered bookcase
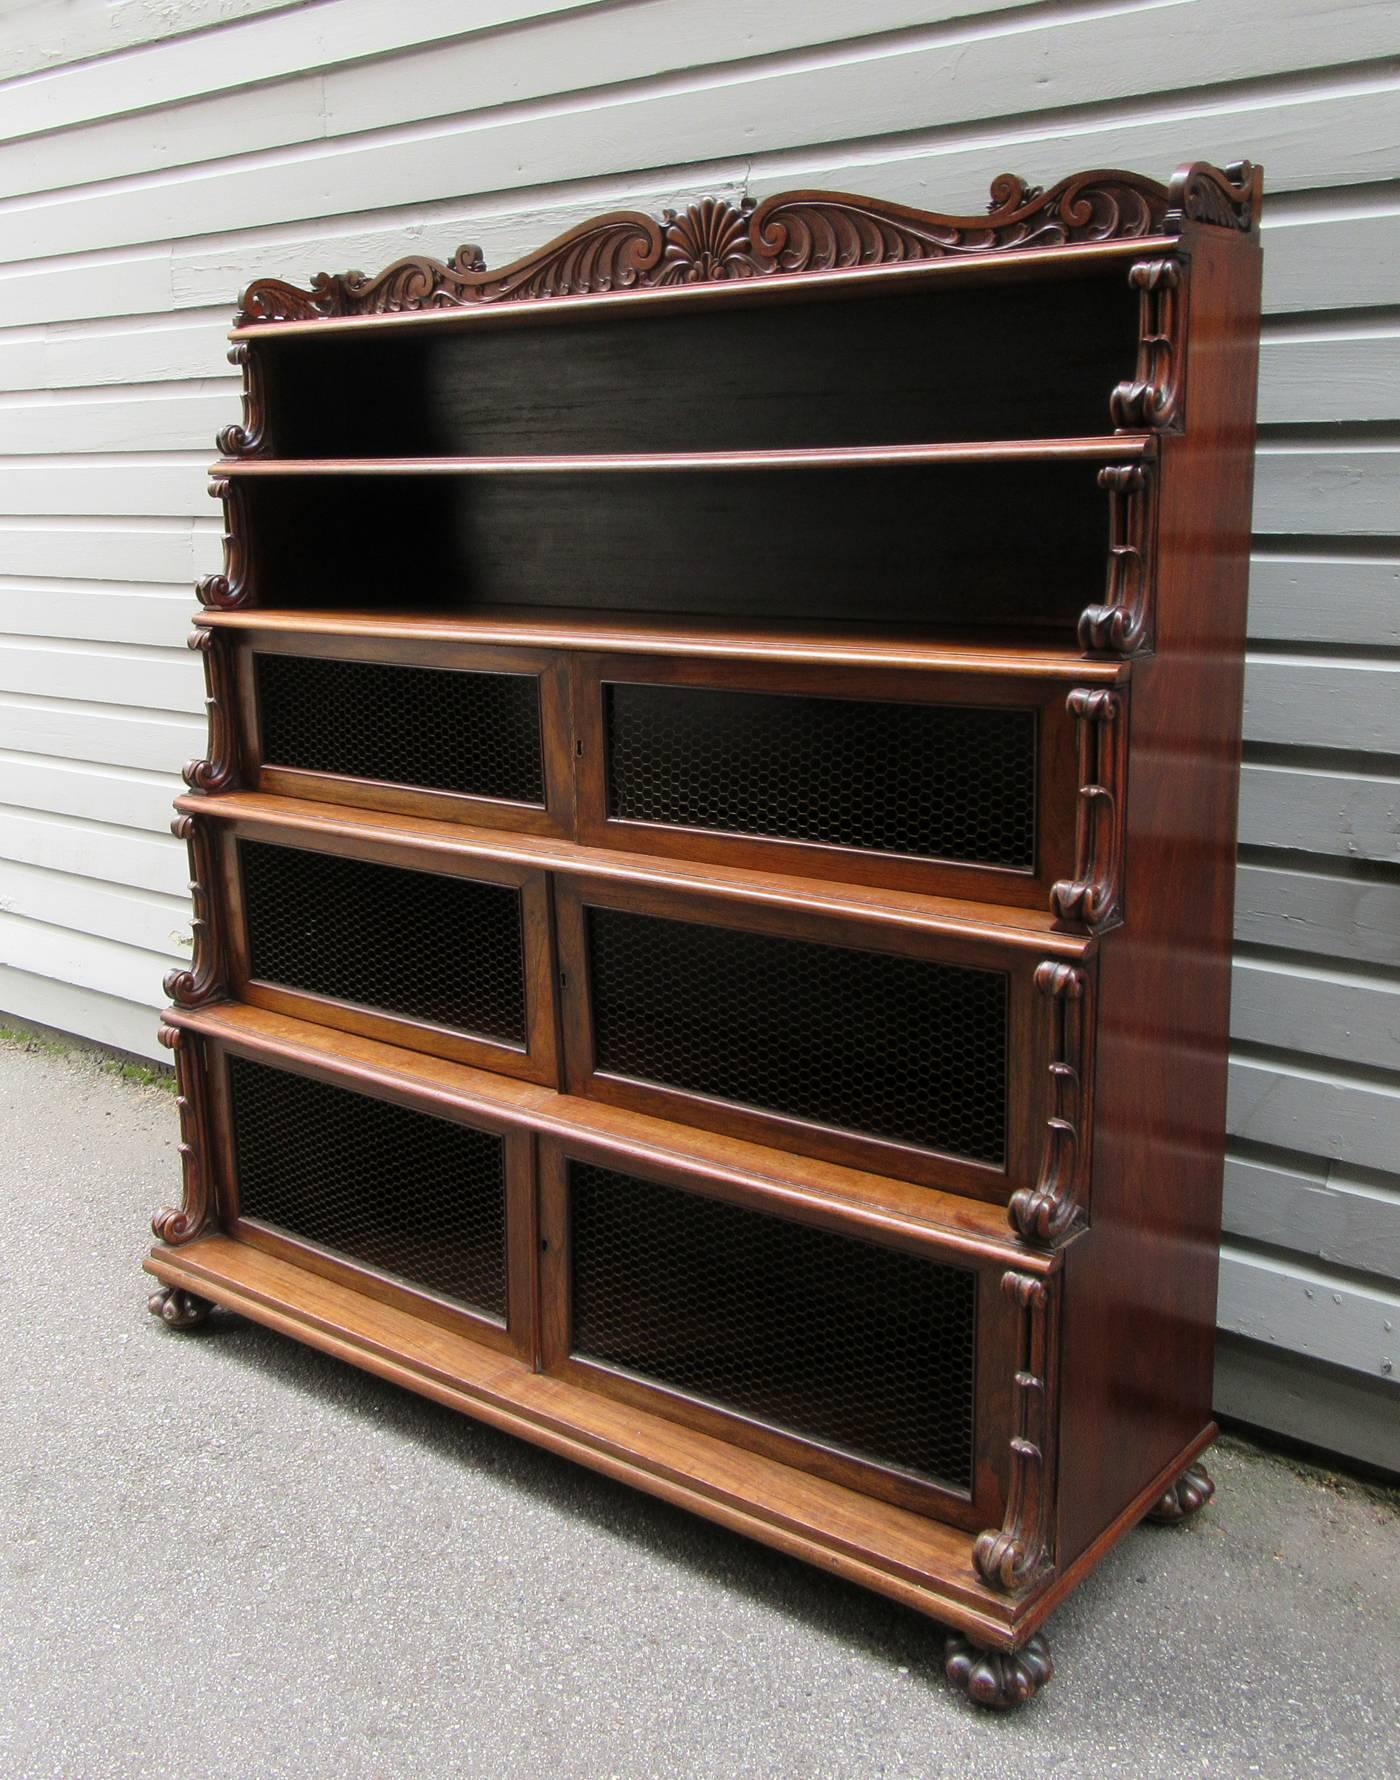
{"points": [[713, 869]]}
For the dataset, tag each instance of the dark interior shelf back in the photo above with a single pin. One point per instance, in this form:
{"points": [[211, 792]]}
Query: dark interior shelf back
{"points": [[1002, 361], [972, 544]]}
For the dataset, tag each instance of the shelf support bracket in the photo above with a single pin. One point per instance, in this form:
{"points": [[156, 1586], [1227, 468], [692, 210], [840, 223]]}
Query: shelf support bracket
{"points": [[219, 771], [175, 1224], [1152, 400], [248, 439], [1093, 897], [205, 979], [1122, 624], [1020, 1551], [233, 587], [1048, 1211]]}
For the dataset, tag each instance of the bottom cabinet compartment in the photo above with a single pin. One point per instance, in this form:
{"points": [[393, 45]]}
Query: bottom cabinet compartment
{"points": [[427, 1211], [801, 1332]]}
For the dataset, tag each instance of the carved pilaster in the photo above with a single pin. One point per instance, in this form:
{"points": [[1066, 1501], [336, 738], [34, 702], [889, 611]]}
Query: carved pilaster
{"points": [[1093, 897], [219, 771], [250, 438], [1153, 397], [182, 1223], [1046, 1212], [232, 587], [205, 978], [1015, 1555], [1122, 624]]}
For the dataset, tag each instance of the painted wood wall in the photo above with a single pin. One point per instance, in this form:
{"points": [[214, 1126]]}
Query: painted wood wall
{"points": [[156, 154]]}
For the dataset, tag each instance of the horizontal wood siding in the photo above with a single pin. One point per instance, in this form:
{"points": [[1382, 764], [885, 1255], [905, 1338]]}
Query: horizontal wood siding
{"points": [[154, 158]]}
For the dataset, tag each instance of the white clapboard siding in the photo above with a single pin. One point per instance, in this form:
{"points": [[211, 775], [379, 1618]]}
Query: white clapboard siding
{"points": [[155, 158]]}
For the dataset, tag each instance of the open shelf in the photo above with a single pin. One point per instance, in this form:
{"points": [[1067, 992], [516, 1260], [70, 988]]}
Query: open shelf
{"points": [[961, 1224], [1016, 928], [1101, 448], [665, 634]]}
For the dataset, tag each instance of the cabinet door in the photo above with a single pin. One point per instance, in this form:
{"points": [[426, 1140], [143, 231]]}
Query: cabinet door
{"points": [[439, 729], [426, 1207], [952, 784], [923, 1056], [416, 947], [872, 1357]]}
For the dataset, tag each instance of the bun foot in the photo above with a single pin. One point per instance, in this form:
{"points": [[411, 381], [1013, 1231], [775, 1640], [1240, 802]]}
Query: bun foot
{"points": [[1191, 1491], [998, 1679], [178, 1309]]}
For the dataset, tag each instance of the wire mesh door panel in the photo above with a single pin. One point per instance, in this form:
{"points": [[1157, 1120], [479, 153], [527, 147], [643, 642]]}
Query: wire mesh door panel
{"points": [[910, 1054], [800, 1336], [423, 950], [953, 784], [418, 1209], [449, 730]]}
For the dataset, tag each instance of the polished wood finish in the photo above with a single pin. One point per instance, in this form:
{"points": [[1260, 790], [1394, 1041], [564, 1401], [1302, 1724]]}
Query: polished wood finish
{"points": [[817, 450]]}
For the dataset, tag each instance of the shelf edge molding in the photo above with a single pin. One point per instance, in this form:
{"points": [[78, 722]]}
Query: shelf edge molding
{"points": [[792, 232]]}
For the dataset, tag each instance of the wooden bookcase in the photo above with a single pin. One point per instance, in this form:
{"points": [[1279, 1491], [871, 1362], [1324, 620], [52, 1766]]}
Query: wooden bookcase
{"points": [[713, 868]]}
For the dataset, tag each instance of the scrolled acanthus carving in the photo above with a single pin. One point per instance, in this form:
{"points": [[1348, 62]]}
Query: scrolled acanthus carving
{"points": [[1153, 398], [205, 979], [176, 1224], [1020, 1550], [1049, 1210], [1228, 198], [1093, 897], [231, 588], [716, 239], [218, 771], [248, 438], [1122, 624]]}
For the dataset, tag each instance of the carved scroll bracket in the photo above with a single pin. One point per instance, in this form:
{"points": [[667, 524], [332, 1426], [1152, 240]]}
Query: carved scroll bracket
{"points": [[205, 980], [1093, 897], [1016, 1555], [231, 588], [1122, 624], [1153, 398], [182, 1223], [1227, 198], [219, 771], [250, 438], [1044, 1213]]}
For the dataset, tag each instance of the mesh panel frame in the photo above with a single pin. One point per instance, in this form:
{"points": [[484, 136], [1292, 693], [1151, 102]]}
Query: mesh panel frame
{"points": [[468, 732], [872, 1044], [946, 782], [855, 1348], [417, 1198], [422, 946]]}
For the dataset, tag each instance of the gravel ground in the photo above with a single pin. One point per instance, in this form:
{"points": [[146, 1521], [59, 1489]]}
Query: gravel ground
{"points": [[229, 1557]]}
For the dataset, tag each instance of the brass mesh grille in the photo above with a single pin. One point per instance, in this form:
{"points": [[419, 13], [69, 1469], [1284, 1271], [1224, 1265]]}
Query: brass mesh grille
{"points": [[897, 1048], [418, 944], [439, 729], [853, 1345], [414, 1196], [932, 781]]}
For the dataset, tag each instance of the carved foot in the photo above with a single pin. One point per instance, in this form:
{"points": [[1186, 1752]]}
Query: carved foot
{"points": [[998, 1679], [178, 1309], [1191, 1491]]}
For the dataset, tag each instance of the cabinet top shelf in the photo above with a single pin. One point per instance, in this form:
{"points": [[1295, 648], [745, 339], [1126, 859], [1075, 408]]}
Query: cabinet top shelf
{"points": [[1108, 447], [640, 633]]}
